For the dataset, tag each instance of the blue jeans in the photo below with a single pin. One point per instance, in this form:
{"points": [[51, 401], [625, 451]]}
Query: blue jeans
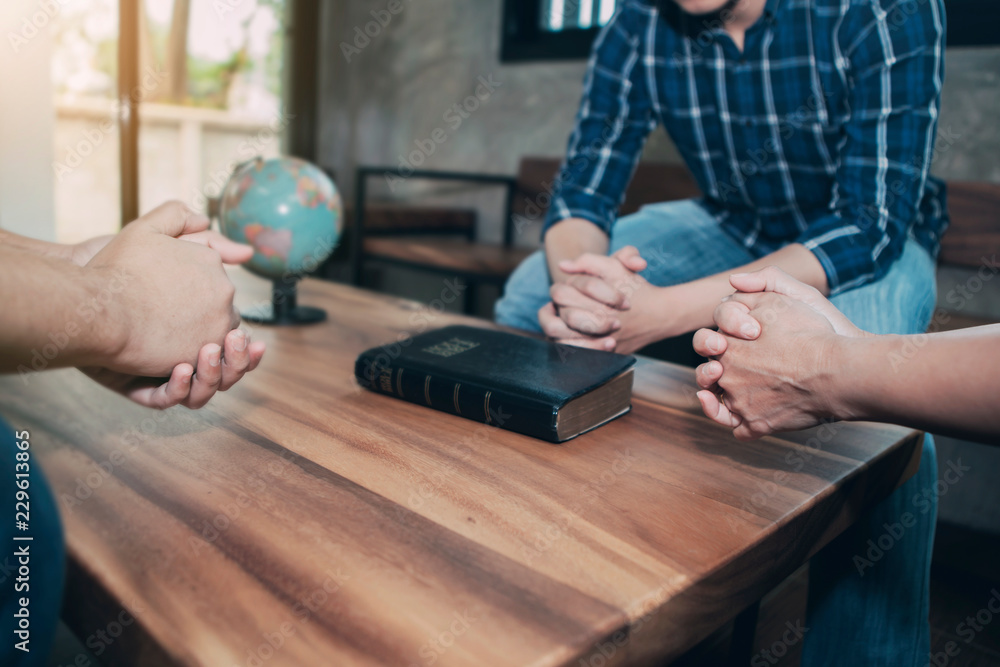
{"points": [[42, 579], [858, 615]]}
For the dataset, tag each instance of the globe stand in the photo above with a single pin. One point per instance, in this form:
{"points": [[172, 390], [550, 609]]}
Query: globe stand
{"points": [[284, 311]]}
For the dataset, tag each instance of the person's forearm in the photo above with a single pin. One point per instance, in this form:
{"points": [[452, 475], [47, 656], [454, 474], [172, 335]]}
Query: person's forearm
{"points": [[12, 241], [56, 314], [570, 238], [944, 382], [690, 306]]}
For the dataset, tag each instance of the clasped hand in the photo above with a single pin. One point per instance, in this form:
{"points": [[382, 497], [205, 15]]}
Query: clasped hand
{"points": [[603, 305], [177, 317], [772, 357]]}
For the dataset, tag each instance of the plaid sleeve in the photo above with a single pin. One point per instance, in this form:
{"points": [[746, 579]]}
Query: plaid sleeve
{"points": [[894, 66], [614, 119]]}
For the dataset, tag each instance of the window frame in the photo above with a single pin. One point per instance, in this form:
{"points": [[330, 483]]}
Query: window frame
{"points": [[971, 23], [522, 38], [300, 92]]}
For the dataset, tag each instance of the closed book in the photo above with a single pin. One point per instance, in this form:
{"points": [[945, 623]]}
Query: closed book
{"points": [[542, 389]]}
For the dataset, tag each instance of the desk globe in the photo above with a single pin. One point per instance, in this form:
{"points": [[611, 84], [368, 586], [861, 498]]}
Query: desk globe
{"points": [[290, 212]]}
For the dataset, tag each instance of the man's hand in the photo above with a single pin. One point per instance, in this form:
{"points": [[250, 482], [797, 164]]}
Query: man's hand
{"points": [[775, 382], [174, 297], [603, 304], [230, 251], [147, 312], [218, 370], [737, 322]]}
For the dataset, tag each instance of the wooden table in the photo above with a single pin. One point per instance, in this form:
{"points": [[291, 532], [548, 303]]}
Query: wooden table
{"points": [[299, 520]]}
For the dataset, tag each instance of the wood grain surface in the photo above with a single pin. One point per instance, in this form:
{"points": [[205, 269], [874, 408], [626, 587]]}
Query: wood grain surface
{"points": [[300, 520]]}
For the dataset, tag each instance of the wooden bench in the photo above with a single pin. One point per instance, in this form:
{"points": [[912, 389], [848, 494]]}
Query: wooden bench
{"points": [[446, 241], [972, 241]]}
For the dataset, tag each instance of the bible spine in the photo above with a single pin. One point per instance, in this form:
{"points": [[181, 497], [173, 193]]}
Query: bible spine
{"points": [[463, 398]]}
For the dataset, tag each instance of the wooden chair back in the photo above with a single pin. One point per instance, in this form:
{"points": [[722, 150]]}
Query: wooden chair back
{"points": [[974, 234], [652, 182]]}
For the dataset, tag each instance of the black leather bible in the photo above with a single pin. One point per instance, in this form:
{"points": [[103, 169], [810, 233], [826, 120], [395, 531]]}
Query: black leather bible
{"points": [[542, 389]]}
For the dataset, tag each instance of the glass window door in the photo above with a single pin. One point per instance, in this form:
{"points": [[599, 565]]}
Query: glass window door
{"points": [[203, 79], [86, 165], [211, 77]]}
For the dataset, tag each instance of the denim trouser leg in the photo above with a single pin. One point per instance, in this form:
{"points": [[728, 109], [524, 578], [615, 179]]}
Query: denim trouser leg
{"points": [[874, 610], [878, 617], [680, 240]]}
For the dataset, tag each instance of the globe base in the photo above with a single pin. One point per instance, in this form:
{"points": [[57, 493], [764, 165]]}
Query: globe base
{"points": [[284, 309], [294, 317]]}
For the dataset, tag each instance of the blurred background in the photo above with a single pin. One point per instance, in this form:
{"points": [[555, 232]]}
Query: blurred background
{"points": [[112, 106], [210, 88]]}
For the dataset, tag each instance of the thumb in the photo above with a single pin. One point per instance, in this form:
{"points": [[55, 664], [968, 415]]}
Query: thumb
{"points": [[173, 218], [630, 258], [230, 251], [773, 279]]}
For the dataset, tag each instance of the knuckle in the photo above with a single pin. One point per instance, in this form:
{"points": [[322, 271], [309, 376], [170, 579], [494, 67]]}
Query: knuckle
{"points": [[176, 207], [579, 322]]}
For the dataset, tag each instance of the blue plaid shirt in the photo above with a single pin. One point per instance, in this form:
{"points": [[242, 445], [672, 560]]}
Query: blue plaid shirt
{"points": [[820, 132]]}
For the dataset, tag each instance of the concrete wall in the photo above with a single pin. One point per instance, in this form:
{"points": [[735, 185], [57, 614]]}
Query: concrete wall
{"points": [[395, 89]]}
